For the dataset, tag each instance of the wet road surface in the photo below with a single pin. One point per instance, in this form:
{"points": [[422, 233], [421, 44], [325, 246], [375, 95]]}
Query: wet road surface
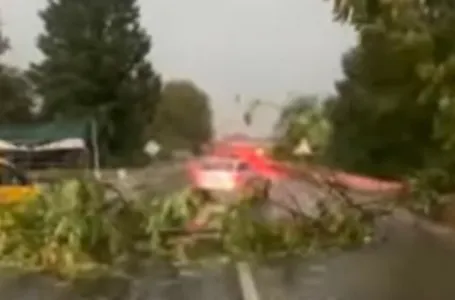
{"points": [[411, 264]]}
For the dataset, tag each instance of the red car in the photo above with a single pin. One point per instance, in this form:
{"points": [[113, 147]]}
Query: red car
{"points": [[232, 166], [225, 177], [232, 170]]}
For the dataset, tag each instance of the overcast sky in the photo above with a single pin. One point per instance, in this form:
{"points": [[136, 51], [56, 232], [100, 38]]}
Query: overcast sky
{"points": [[255, 48]]}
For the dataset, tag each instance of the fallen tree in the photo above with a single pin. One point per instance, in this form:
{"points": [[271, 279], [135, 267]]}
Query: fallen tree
{"points": [[72, 228]]}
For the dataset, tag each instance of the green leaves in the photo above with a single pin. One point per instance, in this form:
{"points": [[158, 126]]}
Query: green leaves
{"points": [[184, 116], [395, 112], [67, 229], [95, 64], [16, 98], [73, 228], [304, 118]]}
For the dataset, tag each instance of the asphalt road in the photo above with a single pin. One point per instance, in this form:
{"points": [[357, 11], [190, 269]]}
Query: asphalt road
{"points": [[153, 180]]}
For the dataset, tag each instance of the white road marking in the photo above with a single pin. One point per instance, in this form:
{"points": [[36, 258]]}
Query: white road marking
{"points": [[246, 281]]}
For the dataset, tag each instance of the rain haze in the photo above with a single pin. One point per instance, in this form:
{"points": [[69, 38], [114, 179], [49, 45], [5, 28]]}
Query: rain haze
{"points": [[264, 49]]}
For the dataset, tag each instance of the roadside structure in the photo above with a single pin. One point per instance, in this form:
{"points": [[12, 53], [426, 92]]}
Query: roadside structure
{"points": [[66, 143]]}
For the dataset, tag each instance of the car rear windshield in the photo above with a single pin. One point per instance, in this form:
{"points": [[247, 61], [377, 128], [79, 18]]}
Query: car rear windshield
{"points": [[219, 164]]}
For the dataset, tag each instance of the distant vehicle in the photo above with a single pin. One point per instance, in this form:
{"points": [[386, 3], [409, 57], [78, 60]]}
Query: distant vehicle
{"points": [[15, 186], [224, 177], [236, 167], [250, 168], [233, 171]]}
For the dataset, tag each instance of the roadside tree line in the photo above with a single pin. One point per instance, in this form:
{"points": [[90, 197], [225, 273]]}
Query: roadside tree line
{"points": [[95, 63], [393, 111]]}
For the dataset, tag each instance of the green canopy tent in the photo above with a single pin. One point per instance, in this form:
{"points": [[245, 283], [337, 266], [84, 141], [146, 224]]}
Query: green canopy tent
{"points": [[49, 139]]}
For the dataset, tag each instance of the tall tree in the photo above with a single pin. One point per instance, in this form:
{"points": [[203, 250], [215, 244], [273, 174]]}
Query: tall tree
{"points": [[15, 94], [378, 125], [304, 118], [16, 98], [184, 116], [95, 64], [424, 24], [407, 94], [4, 44]]}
